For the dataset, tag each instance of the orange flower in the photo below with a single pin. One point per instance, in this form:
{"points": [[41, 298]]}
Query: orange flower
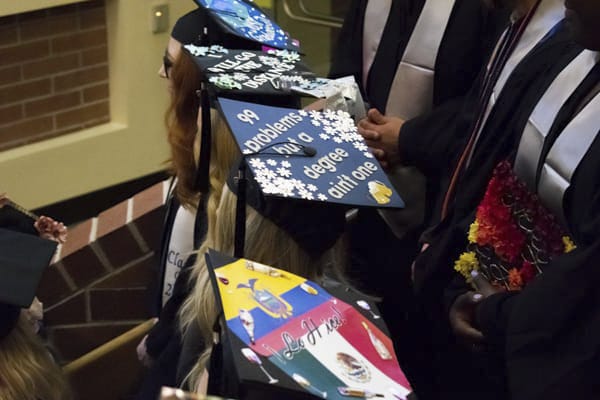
{"points": [[515, 282]]}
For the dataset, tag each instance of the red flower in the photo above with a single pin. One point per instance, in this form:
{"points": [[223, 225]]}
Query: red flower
{"points": [[527, 272]]}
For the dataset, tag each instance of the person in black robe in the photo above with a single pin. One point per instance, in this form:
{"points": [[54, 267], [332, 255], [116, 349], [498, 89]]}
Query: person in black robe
{"points": [[433, 147], [471, 32], [546, 337]]}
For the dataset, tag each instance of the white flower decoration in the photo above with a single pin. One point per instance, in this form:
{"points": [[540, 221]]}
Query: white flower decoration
{"points": [[284, 172], [324, 136], [322, 197], [271, 162], [286, 164], [257, 163], [311, 187]]}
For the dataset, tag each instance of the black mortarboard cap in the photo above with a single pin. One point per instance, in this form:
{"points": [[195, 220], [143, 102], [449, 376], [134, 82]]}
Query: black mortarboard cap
{"points": [[245, 26], [243, 74], [23, 258], [316, 158]]}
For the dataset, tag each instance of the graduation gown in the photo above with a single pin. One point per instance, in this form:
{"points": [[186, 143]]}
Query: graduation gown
{"points": [[434, 267], [467, 41], [164, 342], [550, 331], [471, 33]]}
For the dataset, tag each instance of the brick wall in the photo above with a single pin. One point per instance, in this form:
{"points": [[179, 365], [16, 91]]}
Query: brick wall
{"points": [[98, 285], [53, 72]]}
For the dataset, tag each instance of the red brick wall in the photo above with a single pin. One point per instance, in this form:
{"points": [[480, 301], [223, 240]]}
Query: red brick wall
{"points": [[100, 286], [53, 72]]}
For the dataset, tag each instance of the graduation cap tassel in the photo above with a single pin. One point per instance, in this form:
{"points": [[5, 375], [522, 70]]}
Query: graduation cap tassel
{"points": [[240, 212], [202, 179]]}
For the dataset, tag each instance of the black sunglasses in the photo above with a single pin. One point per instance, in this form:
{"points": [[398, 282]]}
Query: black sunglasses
{"points": [[167, 64]]}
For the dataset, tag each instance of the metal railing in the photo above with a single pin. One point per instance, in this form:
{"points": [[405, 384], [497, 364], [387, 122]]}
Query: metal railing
{"points": [[310, 17]]}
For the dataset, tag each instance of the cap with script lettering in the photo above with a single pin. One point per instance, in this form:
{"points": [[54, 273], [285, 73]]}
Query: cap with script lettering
{"points": [[23, 258], [316, 158], [242, 74], [246, 22]]}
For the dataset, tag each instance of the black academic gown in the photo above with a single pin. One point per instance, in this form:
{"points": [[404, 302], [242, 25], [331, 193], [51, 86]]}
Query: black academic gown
{"points": [[466, 44], [550, 331], [452, 364], [379, 261], [164, 342]]}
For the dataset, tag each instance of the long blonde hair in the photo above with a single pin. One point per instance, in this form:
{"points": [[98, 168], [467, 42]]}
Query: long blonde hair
{"points": [[27, 371], [265, 242]]}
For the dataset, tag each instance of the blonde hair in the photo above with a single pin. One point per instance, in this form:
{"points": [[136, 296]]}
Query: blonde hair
{"points": [[265, 242], [27, 371]]}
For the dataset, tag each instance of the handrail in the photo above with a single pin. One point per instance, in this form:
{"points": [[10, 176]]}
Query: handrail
{"points": [[311, 18], [321, 16], [133, 334]]}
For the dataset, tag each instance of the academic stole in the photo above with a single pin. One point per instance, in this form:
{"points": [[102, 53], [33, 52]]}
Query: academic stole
{"points": [[549, 153], [505, 47]]}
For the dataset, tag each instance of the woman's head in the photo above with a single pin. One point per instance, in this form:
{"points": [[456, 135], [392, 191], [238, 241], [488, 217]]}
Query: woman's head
{"points": [[27, 371], [182, 125]]}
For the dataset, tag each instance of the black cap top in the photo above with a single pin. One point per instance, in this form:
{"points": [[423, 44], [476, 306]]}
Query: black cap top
{"points": [[23, 258]]}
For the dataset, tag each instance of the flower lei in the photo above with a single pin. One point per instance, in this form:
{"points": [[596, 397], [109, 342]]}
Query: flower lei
{"points": [[513, 236]]}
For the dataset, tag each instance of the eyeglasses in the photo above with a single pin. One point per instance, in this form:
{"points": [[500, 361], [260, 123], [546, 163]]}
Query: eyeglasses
{"points": [[167, 64]]}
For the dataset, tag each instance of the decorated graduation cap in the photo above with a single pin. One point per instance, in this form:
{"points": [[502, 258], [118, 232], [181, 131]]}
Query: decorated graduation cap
{"points": [[244, 23], [314, 157], [23, 258], [242, 74], [283, 336]]}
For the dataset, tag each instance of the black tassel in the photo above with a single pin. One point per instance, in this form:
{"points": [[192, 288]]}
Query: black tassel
{"points": [[202, 178], [240, 212]]}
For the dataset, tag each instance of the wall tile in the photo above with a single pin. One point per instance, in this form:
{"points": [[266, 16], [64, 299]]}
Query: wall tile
{"points": [[24, 52], [50, 66], [26, 90], [120, 247], [79, 116], [118, 304], [73, 311], [11, 114], [84, 267], [78, 41], [53, 287], [140, 274], [50, 104]]}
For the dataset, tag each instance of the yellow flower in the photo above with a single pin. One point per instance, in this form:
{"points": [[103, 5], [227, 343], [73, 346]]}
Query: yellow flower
{"points": [[473, 229], [466, 263], [569, 245]]}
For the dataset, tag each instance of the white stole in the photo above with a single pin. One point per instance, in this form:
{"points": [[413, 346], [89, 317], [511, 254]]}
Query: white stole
{"points": [[375, 19], [570, 147], [548, 14], [411, 93]]}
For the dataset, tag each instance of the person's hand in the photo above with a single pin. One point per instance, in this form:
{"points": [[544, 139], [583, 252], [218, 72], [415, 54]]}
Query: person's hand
{"points": [[462, 318], [381, 134], [51, 229], [462, 312], [35, 314], [142, 353]]}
